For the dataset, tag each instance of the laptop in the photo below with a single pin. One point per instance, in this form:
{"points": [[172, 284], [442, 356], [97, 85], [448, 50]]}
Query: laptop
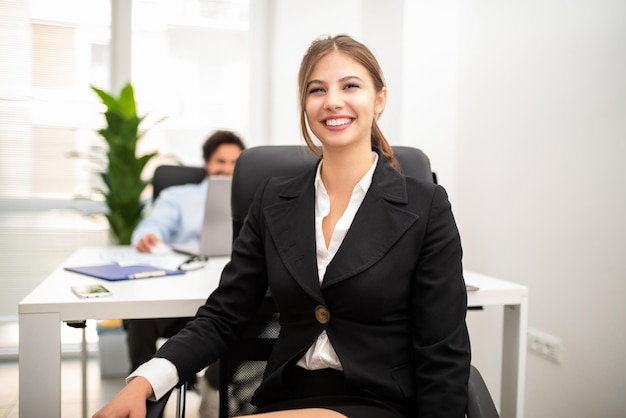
{"points": [[216, 235]]}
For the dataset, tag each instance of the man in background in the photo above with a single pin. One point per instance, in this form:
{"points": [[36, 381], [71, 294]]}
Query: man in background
{"points": [[177, 215]]}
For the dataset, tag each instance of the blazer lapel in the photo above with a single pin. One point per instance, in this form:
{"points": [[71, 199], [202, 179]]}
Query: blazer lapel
{"points": [[291, 223], [379, 223]]}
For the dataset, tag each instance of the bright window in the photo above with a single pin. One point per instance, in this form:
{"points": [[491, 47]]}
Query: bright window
{"points": [[189, 63]]}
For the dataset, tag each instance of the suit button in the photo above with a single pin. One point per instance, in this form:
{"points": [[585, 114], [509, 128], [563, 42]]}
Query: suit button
{"points": [[322, 315]]}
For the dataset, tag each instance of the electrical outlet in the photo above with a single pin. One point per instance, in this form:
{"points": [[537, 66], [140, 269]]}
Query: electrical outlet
{"points": [[546, 345]]}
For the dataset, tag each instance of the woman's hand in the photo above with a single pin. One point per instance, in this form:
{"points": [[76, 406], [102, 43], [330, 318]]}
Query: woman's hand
{"points": [[130, 402]]}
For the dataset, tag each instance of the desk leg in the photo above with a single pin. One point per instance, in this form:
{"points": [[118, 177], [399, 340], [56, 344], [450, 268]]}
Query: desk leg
{"points": [[514, 360], [40, 365]]}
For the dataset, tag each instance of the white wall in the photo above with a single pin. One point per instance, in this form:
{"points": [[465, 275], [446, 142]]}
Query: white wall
{"points": [[522, 108], [540, 183], [429, 111]]}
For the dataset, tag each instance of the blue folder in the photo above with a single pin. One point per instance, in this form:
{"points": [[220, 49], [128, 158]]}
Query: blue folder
{"points": [[115, 272]]}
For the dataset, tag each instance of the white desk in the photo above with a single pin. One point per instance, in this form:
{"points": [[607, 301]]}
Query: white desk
{"points": [[42, 312]]}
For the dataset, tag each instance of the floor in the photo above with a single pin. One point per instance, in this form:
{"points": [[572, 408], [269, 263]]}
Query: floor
{"points": [[99, 390]]}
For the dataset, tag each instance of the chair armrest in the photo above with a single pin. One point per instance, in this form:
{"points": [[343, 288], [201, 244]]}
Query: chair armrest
{"points": [[479, 402]]}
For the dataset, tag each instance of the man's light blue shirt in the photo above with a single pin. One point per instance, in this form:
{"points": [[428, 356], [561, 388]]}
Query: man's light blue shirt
{"points": [[176, 216]]}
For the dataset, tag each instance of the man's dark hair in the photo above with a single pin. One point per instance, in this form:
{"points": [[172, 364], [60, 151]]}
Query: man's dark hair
{"points": [[219, 138]]}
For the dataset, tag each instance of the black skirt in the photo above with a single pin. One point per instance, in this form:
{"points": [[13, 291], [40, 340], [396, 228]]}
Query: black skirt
{"points": [[325, 389]]}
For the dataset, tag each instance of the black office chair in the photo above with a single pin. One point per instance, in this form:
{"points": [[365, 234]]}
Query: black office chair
{"points": [[173, 175], [479, 403], [242, 368]]}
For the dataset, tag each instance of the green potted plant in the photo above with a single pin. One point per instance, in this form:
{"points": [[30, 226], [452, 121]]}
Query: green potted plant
{"points": [[121, 174]]}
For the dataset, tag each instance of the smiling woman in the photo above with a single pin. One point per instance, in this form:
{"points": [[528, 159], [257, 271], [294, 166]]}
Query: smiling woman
{"points": [[362, 262]]}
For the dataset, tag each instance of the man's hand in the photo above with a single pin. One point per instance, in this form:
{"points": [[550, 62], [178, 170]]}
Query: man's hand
{"points": [[130, 402], [145, 244]]}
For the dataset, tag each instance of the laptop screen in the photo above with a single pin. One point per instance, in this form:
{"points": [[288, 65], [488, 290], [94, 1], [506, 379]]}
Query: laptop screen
{"points": [[216, 237]]}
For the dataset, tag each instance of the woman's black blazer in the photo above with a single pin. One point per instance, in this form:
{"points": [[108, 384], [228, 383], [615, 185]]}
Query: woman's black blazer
{"points": [[394, 292]]}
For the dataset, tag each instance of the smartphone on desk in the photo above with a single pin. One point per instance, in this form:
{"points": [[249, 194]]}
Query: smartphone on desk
{"points": [[91, 291]]}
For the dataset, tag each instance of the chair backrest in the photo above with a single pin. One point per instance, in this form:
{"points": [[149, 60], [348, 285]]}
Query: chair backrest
{"points": [[174, 175], [255, 165], [241, 370]]}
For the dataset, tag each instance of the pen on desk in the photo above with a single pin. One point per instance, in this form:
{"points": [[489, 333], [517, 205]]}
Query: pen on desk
{"points": [[147, 274]]}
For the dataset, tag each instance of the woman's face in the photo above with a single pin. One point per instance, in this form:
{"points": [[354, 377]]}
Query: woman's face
{"points": [[342, 101]]}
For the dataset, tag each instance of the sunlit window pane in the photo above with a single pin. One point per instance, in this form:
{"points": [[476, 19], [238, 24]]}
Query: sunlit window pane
{"points": [[189, 65]]}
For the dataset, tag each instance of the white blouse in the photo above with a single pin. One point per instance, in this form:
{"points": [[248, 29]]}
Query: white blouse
{"points": [[321, 355]]}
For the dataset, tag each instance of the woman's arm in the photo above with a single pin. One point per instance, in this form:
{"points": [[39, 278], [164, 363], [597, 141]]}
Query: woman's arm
{"points": [[219, 323], [442, 348]]}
